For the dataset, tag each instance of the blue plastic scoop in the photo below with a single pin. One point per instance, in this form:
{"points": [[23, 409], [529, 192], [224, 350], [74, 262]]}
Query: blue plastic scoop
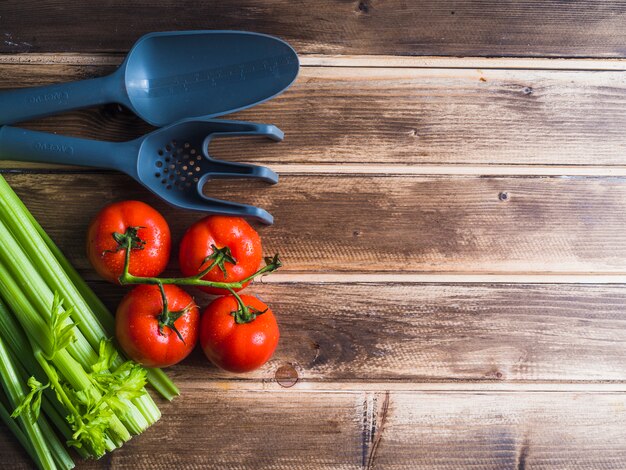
{"points": [[170, 76], [173, 162]]}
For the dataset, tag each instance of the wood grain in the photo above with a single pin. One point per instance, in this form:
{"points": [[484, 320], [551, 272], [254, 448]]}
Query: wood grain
{"points": [[367, 60], [579, 28], [401, 116], [406, 334], [384, 224], [392, 430], [386, 361], [391, 61]]}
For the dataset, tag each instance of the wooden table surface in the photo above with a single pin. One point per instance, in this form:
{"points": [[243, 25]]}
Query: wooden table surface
{"points": [[451, 217]]}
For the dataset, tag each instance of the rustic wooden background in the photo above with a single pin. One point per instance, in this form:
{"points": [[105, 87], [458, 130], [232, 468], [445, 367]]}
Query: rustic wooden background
{"points": [[451, 217]]}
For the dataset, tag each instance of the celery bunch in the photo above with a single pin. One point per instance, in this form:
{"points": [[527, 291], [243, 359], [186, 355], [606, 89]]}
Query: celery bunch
{"points": [[56, 354]]}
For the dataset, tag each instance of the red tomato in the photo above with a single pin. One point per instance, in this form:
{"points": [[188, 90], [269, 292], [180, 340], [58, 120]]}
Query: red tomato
{"points": [[146, 259], [137, 325], [238, 347], [231, 233]]}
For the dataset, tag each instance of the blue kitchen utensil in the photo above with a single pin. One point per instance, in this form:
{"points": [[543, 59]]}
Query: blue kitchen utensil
{"points": [[173, 162], [170, 76]]}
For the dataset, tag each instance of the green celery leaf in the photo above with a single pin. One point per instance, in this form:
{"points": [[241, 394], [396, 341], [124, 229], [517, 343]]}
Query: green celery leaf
{"points": [[32, 401], [61, 336], [91, 430], [106, 356], [122, 385]]}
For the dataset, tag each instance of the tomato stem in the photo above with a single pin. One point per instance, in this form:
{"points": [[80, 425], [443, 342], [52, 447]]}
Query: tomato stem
{"points": [[219, 257], [168, 318], [123, 240], [244, 314], [272, 264]]}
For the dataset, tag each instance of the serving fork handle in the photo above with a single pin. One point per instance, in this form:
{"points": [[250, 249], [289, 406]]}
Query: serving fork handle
{"points": [[42, 147]]}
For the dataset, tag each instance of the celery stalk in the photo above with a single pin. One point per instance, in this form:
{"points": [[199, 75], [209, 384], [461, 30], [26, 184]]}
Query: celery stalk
{"points": [[49, 269], [59, 453], [48, 408], [95, 321], [24, 272], [51, 408], [75, 375], [63, 360], [17, 342], [162, 384], [17, 432], [32, 323], [13, 389], [19, 346], [72, 370], [89, 382], [30, 280]]}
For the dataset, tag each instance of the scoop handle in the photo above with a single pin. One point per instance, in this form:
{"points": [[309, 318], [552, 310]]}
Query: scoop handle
{"points": [[22, 104], [32, 146]]}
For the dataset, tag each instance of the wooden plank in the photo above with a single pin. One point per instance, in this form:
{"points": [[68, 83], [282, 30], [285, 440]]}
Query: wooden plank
{"points": [[385, 224], [420, 118], [368, 61], [444, 278], [465, 170], [392, 430], [395, 61], [484, 386], [582, 28], [412, 334]]}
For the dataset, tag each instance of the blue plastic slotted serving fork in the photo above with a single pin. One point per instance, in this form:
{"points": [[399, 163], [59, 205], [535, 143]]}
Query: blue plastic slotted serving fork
{"points": [[173, 162]]}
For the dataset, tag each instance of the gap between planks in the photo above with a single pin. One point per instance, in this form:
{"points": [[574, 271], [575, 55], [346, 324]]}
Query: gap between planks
{"points": [[434, 62], [444, 278], [376, 61], [341, 169], [451, 169], [303, 386]]}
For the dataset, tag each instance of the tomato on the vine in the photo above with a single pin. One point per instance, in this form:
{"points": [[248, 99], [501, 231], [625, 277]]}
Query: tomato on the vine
{"points": [[152, 335], [120, 223], [236, 340], [230, 244]]}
